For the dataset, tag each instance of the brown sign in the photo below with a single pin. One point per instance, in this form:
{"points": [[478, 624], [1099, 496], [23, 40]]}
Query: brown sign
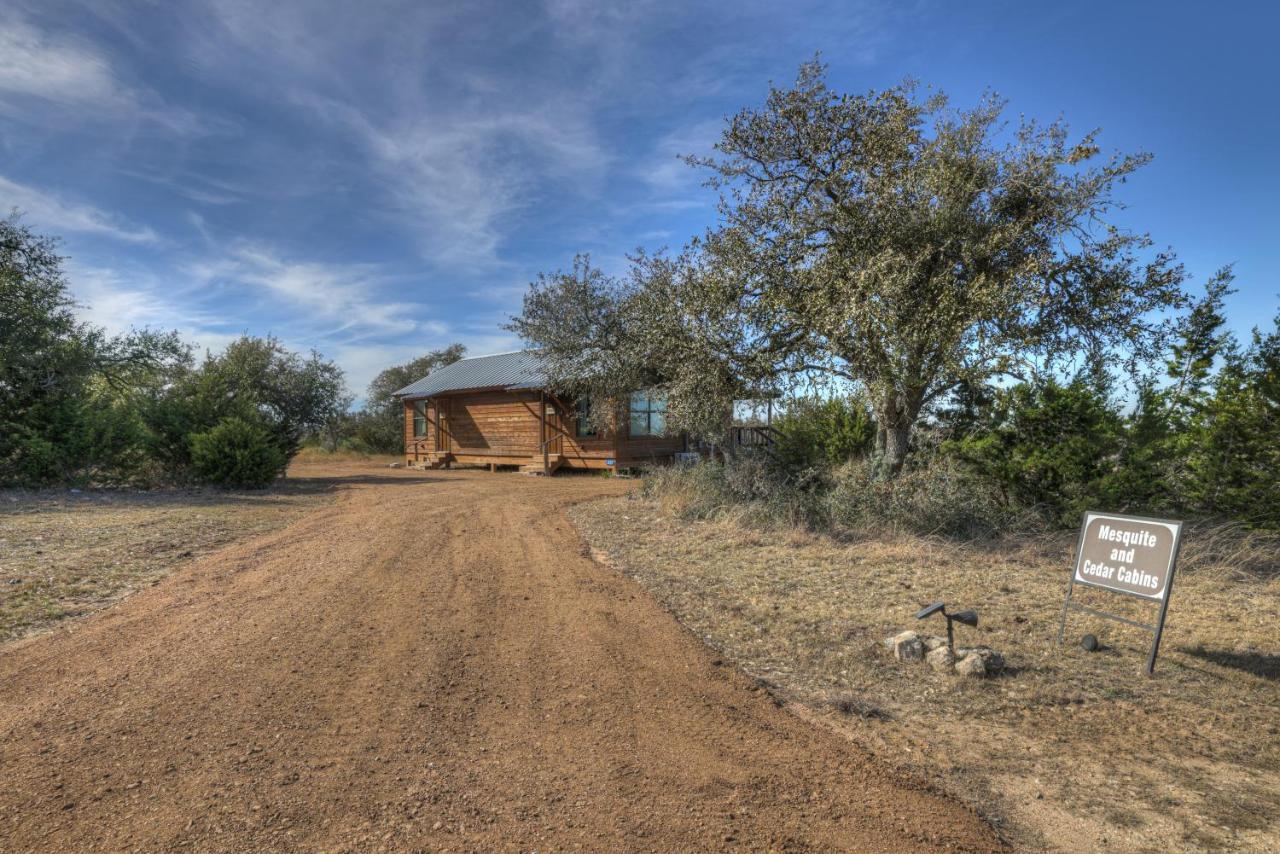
{"points": [[1127, 554]]}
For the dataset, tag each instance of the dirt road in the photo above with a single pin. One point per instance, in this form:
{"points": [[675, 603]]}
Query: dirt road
{"points": [[431, 663]]}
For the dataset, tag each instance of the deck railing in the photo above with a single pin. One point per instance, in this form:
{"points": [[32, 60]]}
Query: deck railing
{"points": [[759, 436]]}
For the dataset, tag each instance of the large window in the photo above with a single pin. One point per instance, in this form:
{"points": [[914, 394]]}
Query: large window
{"points": [[583, 412], [419, 419], [648, 413]]}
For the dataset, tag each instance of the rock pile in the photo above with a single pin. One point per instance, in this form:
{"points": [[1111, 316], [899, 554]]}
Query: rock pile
{"points": [[931, 649]]}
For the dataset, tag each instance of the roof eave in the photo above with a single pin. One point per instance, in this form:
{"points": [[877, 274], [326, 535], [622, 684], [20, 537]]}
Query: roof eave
{"points": [[452, 391]]}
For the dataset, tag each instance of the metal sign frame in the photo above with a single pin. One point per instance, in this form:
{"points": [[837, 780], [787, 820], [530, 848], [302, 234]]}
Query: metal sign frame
{"points": [[1158, 629]]}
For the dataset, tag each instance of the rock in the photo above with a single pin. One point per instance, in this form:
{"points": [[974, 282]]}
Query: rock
{"points": [[906, 646], [940, 658], [393, 465], [979, 661], [933, 642]]}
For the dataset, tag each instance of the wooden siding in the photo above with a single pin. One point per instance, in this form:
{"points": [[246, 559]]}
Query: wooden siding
{"points": [[500, 423]]}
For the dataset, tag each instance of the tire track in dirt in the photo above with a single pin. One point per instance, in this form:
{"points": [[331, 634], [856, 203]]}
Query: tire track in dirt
{"points": [[431, 663]]}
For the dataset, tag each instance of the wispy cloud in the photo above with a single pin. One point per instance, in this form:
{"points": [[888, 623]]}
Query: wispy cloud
{"points": [[59, 69], [457, 176], [61, 215], [665, 169], [327, 299], [130, 297], [49, 75]]}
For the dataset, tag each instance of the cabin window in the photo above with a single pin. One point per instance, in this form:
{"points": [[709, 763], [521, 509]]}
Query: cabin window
{"points": [[419, 419], [648, 413], [583, 412]]}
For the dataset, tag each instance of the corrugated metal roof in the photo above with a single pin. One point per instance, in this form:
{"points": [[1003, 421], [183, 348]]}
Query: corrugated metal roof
{"points": [[520, 369]]}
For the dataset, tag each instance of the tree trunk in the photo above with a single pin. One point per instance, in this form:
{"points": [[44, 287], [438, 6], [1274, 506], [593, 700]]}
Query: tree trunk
{"points": [[894, 420], [895, 448]]}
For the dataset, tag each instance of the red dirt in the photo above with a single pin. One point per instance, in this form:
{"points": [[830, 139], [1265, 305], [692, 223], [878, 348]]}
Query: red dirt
{"points": [[432, 662]]}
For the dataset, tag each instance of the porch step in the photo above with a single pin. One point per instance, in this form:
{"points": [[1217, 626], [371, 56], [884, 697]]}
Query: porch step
{"points": [[436, 459], [534, 466]]}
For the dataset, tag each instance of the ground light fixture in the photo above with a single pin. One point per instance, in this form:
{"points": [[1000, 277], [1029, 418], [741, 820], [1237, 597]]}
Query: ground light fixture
{"points": [[969, 618]]}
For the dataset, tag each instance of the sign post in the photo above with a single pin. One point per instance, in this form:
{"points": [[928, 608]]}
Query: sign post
{"points": [[1130, 555]]}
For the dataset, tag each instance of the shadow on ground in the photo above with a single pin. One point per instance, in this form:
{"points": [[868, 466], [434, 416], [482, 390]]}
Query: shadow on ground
{"points": [[321, 481], [1261, 664]]}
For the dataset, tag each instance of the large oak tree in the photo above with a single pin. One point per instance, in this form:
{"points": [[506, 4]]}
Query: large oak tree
{"points": [[910, 247]]}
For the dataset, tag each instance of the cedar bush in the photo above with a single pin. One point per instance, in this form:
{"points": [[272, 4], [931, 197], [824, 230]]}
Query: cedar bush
{"points": [[1049, 446], [815, 432], [237, 453]]}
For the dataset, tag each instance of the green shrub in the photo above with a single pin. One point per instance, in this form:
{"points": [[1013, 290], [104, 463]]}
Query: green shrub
{"points": [[256, 380], [816, 432], [236, 453], [1050, 446]]}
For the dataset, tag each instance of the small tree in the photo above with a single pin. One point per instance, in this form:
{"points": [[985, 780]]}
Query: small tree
{"points": [[1050, 445], [1233, 452], [672, 324], [237, 453]]}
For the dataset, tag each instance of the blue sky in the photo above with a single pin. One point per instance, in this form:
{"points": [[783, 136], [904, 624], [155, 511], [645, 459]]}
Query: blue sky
{"points": [[377, 179]]}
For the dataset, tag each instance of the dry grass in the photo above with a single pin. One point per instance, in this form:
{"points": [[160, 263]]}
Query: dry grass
{"points": [[313, 454], [1071, 750], [66, 553]]}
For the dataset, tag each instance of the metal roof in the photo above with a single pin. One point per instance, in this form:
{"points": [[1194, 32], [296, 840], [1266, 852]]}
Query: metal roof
{"points": [[518, 369]]}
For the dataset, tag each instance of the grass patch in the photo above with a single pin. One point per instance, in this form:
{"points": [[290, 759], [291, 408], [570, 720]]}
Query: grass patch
{"points": [[67, 553], [1081, 749], [315, 454]]}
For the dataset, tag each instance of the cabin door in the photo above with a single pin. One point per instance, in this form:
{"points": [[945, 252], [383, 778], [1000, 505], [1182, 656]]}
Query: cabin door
{"points": [[554, 435], [557, 426], [442, 425]]}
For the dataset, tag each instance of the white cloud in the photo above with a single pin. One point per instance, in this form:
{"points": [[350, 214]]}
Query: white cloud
{"points": [[67, 72], [120, 300], [450, 146], [62, 215], [666, 171], [457, 175], [53, 77], [330, 299]]}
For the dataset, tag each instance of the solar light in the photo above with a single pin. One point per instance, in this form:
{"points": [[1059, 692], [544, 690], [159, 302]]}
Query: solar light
{"points": [[1089, 642], [969, 618], [931, 610]]}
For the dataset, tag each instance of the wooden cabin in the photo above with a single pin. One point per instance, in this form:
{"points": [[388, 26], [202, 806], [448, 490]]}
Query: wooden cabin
{"points": [[497, 411]]}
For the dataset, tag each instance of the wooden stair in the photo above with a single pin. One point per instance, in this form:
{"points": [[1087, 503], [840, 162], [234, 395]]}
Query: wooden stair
{"points": [[534, 466], [437, 459]]}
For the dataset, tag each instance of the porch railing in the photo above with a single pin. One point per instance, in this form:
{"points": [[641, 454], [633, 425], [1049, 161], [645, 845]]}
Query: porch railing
{"points": [[752, 437]]}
